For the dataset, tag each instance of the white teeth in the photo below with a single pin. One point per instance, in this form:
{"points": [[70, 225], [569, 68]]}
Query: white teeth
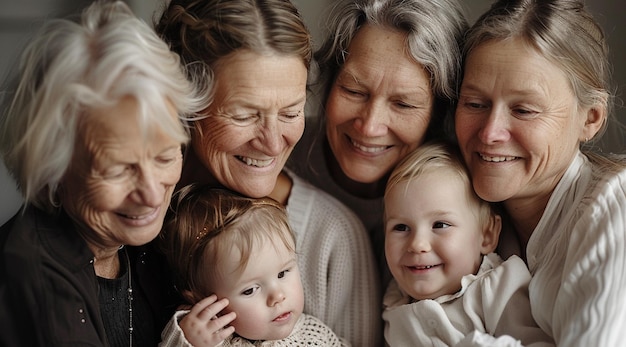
{"points": [[368, 149], [425, 267], [496, 159], [255, 162]]}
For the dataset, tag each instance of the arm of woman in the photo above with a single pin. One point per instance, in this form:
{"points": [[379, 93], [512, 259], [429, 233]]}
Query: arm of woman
{"points": [[590, 305]]}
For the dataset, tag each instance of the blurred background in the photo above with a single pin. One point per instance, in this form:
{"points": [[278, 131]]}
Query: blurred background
{"points": [[20, 19]]}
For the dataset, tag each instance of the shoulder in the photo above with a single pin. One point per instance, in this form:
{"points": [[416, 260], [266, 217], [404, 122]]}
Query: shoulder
{"points": [[305, 196], [503, 278], [33, 236], [605, 194]]}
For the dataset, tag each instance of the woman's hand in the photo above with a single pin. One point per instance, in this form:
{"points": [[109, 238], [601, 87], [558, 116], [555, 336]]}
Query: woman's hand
{"points": [[203, 327]]}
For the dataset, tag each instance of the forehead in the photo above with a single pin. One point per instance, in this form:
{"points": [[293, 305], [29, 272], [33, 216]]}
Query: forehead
{"points": [[519, 65], [440, 188], [121, 128], [249, 77], [265, 258], [380, 55]]}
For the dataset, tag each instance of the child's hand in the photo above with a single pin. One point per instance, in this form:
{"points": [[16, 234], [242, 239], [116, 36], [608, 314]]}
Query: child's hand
{"points": [[202, 327]]}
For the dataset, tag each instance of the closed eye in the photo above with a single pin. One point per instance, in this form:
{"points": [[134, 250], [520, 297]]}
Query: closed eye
{"points": [[290, 117], [352, 92], [524, 113]]}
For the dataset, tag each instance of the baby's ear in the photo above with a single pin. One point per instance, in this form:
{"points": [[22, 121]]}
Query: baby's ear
{"points": [[491, 234]]}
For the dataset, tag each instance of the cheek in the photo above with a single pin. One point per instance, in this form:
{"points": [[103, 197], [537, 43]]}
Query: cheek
{"points": [[88, 201], [217, 138], [393, 248], [247, 316], [293, 132], [412, 130], [170, 175], [463, 128], [338, 109]]}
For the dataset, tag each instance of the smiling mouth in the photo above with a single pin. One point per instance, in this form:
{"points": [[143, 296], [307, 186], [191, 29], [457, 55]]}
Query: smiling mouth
{"points": [[137, 217], [254, 162], [496, 159], [423, 267], [368, 149]]}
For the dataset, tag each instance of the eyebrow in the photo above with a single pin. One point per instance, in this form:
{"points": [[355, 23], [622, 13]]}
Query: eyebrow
{"points": [[515, 91]]}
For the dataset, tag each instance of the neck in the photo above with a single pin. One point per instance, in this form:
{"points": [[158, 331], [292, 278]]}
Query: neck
{"points": [[525, 215], [282, 189], [106, 261], [362, 190]]}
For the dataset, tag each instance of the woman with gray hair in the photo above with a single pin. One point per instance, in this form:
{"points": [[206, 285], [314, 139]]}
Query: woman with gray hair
{"points": [[92, 132], [388, 74], [536, 89]]}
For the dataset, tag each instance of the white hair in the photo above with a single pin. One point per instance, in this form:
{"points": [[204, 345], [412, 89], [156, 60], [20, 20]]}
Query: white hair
{"points": [[73, 66]]}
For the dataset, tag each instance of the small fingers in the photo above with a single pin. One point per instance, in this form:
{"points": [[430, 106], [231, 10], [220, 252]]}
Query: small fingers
{"points": [[219, 325], [213, 309]]}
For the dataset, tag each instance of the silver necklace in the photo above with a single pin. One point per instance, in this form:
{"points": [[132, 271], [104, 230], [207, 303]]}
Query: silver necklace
{"points": [[130, 299]]}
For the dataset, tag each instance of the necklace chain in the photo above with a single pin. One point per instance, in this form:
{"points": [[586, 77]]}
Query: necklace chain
{"points": [[130, 300]]}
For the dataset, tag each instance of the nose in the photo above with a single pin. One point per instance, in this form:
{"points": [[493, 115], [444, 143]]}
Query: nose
{"points": [[495, 127], [270, 136], [275, 297], [419, 244], [373, 120], [148, 189]]}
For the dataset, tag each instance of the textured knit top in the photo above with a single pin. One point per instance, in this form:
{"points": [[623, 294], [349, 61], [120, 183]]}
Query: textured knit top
{"points": [[339, 277], [309, 162], [494, 302], [577, 257], [308, 331]]}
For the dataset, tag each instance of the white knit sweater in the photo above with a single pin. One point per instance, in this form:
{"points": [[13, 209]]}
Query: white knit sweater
{"points": [[308, 161], [339, 276]]}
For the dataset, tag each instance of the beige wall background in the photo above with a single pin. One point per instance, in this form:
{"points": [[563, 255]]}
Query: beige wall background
{"points": [[19, 19]]}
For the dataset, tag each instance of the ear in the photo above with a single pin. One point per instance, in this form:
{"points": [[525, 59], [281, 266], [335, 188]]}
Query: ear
{"points": [[491, 234], [596, 117]]}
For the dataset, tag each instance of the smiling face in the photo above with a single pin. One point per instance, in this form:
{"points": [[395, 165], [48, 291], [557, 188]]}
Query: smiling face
{"points": [[266, 294], [434, 234], [379, 106], [517, 122], [120, 183], [254, 122]]}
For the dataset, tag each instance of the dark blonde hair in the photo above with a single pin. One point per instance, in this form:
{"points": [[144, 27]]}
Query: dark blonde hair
{"points": [[204, 223], [434, 157], [564, 32], [204, 31]]}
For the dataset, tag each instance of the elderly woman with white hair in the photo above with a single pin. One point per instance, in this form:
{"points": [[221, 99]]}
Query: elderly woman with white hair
{"points": [[92, 132]]}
